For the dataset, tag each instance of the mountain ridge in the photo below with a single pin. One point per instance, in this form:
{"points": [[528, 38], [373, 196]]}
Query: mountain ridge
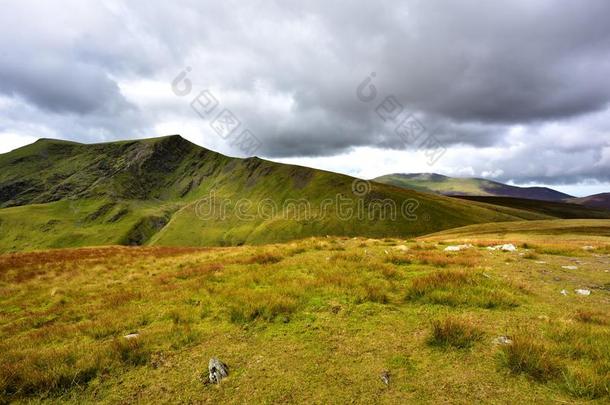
{"points": [[468, 186], [149, 191]]}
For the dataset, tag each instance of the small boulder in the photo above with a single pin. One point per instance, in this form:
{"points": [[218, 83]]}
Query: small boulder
{"points": [[582, 291], [132, 336], [564, 292], [570, 267], [217, 370], [588, 247], [401, 248]]}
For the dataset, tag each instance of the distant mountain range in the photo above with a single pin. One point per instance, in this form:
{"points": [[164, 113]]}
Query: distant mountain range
{"points": [[454, 186], [477, 189]]}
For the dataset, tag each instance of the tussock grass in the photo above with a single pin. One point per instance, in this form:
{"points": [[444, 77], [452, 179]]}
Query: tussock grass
{"points": [[249, 306], [595, 317], [576, 359], [399, 259], [264, 258], [55, 370], [461, 288], [455, 332], [527, 356], [466, 258]]}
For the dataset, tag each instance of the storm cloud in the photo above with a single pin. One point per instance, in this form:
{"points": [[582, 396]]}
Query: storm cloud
{"points": [[514, 90]]}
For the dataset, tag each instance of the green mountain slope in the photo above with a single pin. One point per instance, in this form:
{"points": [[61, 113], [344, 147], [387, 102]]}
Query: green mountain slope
{"points": [[158, 192], [436, 183]]}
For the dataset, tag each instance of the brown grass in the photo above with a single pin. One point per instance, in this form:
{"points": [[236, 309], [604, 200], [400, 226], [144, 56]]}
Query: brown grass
{"points": [[454, 332], [594, 317], [526, 356]]}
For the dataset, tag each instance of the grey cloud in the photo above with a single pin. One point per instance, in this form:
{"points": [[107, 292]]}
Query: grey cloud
{"points": [[471, 72]]}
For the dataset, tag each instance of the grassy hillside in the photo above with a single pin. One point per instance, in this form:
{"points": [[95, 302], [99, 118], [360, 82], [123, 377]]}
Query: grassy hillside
{"points": [[436, 183], [314, 321], [157, 192], [549, 208], [548, 231]]}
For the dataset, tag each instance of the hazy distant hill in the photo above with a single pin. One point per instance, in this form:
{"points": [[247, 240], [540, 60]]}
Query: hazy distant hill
{"points": [[436, 183], [601, 200], [149, 192], [555, 209]]}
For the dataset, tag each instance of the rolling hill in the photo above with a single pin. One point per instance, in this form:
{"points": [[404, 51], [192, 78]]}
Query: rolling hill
{"points": [[601, 201], [168, 191], [560, 210], [436, 183]]}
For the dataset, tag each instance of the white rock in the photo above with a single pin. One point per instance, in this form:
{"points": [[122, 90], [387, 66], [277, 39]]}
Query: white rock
{"points": [[457, 248], [541, 262], [402, 248], [508, 247], [564, 292], [582, 291], [570, 267], [503, 340], [131, 336], [588, 247], [217, 370]]}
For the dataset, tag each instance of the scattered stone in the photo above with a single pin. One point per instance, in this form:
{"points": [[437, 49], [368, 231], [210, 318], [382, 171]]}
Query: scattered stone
{"points": [[564, 292], [570, 267], [588, 247], [457, 248], [540, 262], [402, 248], [386, 252], [543, 318], [507, 247], [131, 336], [503, 340], [217, 370], [583, 291], [385, 377]]}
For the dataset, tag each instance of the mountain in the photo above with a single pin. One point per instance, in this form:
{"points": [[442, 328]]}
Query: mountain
{"points": [[601, 201], [169, 191], [554, 209], [436, 183]]}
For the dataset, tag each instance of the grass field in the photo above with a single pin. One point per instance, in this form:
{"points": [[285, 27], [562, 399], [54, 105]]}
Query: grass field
{"points": [[317, 320]]}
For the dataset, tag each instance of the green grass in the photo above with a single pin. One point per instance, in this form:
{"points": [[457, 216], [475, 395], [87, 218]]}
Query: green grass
{"points": [[315, 320]]}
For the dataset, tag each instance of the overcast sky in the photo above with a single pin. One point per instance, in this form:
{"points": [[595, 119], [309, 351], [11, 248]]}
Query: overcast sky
{"points": [[517, 91]]}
